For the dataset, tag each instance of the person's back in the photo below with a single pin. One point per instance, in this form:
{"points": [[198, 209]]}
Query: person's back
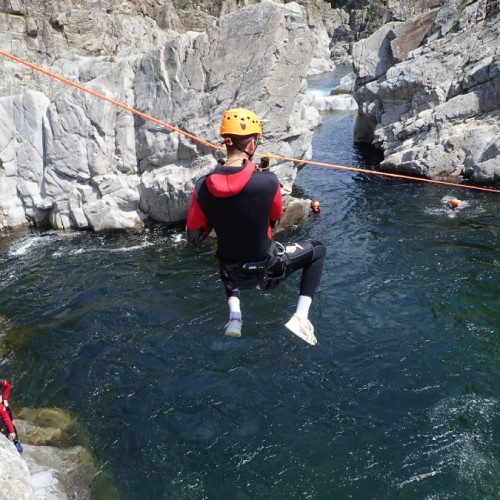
{"points": [[239, 207]]}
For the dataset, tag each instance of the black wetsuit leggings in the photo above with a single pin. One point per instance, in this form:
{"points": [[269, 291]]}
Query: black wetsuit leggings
{"points": [[308, 255]]}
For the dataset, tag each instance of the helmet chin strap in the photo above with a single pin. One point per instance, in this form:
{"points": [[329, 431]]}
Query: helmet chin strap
{"points": [[250, 155], [229, 142]]}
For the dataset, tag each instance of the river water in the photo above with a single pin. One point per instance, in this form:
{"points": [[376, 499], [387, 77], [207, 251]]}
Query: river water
{"points": [[399, 399]]}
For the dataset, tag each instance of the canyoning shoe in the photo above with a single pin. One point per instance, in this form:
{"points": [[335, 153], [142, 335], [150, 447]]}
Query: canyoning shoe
{"points": [[303, 328], [233, 328], [18, 446]]}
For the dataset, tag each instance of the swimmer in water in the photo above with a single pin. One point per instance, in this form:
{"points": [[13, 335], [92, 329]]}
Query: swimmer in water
{"points": [[315, 208], [452, 204]]}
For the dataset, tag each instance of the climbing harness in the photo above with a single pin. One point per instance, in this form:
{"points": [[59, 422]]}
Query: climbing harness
{"points": [[264, 274], [255, 125]]}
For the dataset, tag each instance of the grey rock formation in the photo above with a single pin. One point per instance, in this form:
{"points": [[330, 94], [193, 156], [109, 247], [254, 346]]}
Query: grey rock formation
{"points": [[59, 474], [347, 85], [402, 10], [429, 93], [54, 465], [74, 161], [15, 479]]}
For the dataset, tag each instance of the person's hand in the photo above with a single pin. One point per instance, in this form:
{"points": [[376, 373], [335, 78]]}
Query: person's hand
{"points": [[12, 436], [5, 403]]}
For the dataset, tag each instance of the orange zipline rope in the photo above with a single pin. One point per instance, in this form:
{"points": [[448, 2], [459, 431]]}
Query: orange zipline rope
{"points": [[214, 146]]}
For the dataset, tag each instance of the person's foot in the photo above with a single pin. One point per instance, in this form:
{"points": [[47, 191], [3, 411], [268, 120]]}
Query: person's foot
{"points": [[18, 446], [233, 328], [303, 328]]}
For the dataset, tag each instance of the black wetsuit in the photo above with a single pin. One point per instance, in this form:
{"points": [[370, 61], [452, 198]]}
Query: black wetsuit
{"points": [[242, 204]]}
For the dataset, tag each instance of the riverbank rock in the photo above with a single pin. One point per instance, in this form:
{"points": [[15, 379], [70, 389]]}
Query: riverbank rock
{"points": [[295, 212], [60, 474], [57, 457], [429, 93], [46, 472], [15, 479], [50, 427], [73, 161]]}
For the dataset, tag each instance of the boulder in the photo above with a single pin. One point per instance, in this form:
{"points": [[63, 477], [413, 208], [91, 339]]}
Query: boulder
{"points": [[295, 211], [373, 56], [346, 85]]}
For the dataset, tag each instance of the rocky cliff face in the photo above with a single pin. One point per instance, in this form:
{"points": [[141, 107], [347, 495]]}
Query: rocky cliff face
{"points": [[74, 161], [429, 92]]}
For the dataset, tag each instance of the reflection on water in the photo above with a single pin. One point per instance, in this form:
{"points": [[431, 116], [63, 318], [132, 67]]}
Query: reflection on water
{"points": [[399, 399]]}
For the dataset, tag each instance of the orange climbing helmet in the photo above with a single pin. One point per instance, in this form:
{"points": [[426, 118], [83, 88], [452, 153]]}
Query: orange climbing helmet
{"points": [[240, 121]]}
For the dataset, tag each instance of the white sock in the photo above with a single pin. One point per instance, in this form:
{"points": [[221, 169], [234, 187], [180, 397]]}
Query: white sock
{"points": [[303, 306], [234, 308]]}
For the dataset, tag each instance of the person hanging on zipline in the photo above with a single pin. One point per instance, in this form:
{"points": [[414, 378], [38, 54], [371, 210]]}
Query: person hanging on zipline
{"points": [[242, 203], [7, 427]]}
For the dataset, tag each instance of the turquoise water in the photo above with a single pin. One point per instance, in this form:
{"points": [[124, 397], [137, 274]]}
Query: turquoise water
{"points": [[399, 399]]}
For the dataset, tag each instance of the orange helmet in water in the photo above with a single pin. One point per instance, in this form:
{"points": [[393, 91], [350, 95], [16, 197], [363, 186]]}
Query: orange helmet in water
{"points": [[315, 207]]}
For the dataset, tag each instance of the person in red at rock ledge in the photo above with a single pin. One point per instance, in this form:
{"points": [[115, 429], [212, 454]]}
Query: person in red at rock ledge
{"points": [[7, 427], [242, 203], [5, 413]]}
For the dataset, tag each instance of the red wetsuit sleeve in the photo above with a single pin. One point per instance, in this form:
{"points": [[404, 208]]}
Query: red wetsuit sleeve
{"points": [[6, 386], [197, 225], [6, 418], [277, 206], [276, 210]]}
